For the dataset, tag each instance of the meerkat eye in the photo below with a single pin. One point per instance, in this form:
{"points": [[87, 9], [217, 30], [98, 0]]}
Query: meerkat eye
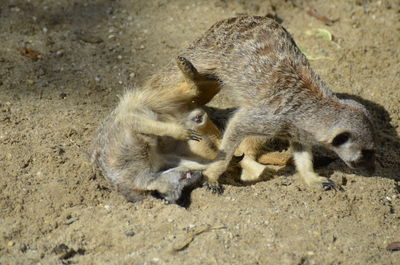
{"points": [[340, 139]]}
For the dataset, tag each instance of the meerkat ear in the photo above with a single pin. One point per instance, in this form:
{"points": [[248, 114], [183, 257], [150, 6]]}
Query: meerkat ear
{"points": [[355, 104], [187, 68], [205, 85]]}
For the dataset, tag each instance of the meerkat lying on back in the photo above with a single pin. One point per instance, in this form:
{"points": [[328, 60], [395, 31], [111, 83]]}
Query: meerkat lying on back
{"points": [[127, 152], [127, 145], [279, 95]]}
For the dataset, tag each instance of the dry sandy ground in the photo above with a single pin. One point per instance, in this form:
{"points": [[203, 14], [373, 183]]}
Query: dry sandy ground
{"points": [[54, 209]]}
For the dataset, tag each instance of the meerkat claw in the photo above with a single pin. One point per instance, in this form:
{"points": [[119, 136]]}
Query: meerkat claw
{"points": [[194, 135], [215, 188], [330, 185]]}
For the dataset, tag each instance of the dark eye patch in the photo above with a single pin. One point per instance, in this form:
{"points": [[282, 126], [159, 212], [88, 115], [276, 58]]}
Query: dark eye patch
{"points": [[340, 139]]}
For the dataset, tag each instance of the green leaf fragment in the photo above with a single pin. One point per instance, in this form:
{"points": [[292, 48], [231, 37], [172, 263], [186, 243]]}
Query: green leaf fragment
{"points": [[320, 33]]}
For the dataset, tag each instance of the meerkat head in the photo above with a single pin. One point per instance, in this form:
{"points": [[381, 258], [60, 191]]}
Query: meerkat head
{"points": [[352, 137], [196, 119]]}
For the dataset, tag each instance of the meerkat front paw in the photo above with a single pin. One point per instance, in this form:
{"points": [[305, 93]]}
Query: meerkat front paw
{"points": [[181, 133], [212, 174], [314, 180], [193, 135], [214, 187]]}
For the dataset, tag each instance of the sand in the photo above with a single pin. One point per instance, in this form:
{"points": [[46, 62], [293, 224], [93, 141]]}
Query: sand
{"points": [[55, 209]]}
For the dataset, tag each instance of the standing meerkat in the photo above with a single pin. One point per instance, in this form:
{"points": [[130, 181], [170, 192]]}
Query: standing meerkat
{"points": [[279, 95]]}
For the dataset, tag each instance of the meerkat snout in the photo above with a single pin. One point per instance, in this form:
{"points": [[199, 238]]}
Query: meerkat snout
{"points": [[366, 161], [196, 119], [356, 149]]}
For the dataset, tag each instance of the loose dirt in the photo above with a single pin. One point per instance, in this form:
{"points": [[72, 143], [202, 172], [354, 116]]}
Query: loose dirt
{"points": [[63, 65]]}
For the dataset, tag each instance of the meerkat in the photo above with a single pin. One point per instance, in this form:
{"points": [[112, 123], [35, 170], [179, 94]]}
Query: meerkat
{"points": [[127, 144], [279, 95], [129, 156]]}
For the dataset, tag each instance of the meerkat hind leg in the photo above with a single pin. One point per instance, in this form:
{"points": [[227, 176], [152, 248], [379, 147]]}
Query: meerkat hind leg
{"points": [[251, 169], [303, 161]]}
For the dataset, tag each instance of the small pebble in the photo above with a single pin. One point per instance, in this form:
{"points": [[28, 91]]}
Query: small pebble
{"points": [[388, 198], [110, 10], [60, 53], [10, 243], [129, 233], [60, 249], [23, 248]]}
